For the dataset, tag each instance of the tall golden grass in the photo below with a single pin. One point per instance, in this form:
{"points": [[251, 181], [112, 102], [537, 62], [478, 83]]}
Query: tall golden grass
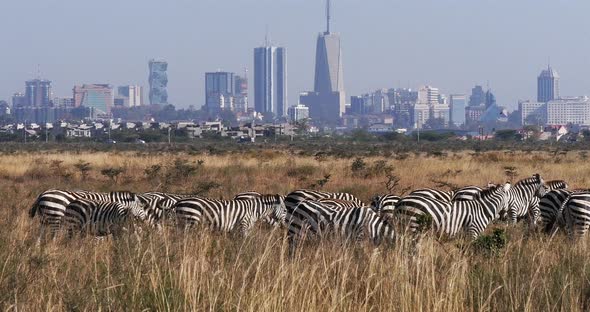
{"points": [[199, 270]]}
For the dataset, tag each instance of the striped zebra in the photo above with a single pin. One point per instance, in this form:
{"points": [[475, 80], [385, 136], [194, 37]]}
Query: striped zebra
{"points": [[320, 219], [575, 214], [550, 207], [384, 205], [521, 198], [534, 211], [294, 198], [338, 204], [433, 193], [99, 218], [159, 204], [247, 195], [451, 217], [51, 205], [227, 216]]}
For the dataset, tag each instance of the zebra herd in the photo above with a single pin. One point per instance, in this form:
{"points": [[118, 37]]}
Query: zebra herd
{"points": [[308, 213]]}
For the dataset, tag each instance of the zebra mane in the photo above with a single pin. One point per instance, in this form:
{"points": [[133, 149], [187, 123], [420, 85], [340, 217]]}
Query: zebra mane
{"points": [[536, 178], [490, 190], [557, 184]]}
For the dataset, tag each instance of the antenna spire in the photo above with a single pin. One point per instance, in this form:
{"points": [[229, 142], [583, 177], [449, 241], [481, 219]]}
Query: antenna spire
{"points": [[266, 39], [327, 16]]}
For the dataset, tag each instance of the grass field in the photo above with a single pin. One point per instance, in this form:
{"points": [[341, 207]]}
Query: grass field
{"points": [[208, 271]]}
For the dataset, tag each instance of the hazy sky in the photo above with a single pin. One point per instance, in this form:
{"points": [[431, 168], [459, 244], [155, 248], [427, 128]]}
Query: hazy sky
{"points": [[450, 44]]}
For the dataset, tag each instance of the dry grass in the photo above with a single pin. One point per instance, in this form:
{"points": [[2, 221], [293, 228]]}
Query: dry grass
{"points": [[204, 271]]}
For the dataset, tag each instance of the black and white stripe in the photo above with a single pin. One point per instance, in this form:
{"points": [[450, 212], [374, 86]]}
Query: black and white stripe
{"points": [[550, 207], [320, 219], [575, 214], [384, 205], [99, 218], [159, 204], [523, 197], [433, 193], [227, 216], [451, 217], [51, 205]]}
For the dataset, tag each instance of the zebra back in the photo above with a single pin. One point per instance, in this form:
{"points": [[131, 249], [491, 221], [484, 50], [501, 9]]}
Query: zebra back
{"points": [[99, 218], [550, 207], [247, 195], [338, 204], [433, 193], [467, 193], [575, 214], [385, 205]]}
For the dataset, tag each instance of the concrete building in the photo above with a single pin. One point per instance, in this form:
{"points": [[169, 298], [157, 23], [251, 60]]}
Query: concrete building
{"points": [[270, 80], [574, 111], [547, 85], [158, 80], [219, 91], [66, 102], [97, 97], [457, 104], [132, 95], [404, 100], [38, 93], [241, 93], [298, 112], [328, 100], [429, 107], [532, 113], [478, 96], [18, 100]]}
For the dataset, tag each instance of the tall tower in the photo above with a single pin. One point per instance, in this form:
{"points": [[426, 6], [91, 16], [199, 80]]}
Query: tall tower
{"points": [[270, 80], [327, 101], [547, 85], [158, 80]]}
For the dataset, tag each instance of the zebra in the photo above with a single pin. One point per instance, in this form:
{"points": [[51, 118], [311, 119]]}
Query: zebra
{"points": [[550, 207], [446, 196], [294, 198], [338, 204], [51, 205], [319, 219], [227, 216], [575, 214], [99, 218], [159, 204], [534, 211], [450, 217], [384, 205], [521, 198], [247, 195]]}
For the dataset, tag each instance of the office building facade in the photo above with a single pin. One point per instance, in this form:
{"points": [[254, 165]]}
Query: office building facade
{"points": [[548, 85], [457, 104], [270, 80], [99, 98], [38, 93], [158, 80], [219, 91]]}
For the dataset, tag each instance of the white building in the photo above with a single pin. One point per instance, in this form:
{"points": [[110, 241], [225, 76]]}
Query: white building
{"points": [[298, 112], [132, 95], [557, 112], [429, 106]]}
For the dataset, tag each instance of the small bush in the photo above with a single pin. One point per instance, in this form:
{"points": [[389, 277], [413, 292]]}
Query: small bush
{"points": [[491, 244]]}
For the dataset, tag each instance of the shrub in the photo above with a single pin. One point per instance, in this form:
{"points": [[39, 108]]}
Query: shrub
{"points": [[491, 244], [112, 173], [84, 168]]}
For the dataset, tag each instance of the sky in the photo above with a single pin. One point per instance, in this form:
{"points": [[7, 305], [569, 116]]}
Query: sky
{"points": [[449, 44]]}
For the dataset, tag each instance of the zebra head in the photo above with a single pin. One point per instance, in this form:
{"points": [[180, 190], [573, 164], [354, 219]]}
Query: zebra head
{"points": [[375, 203], [279, 211]]}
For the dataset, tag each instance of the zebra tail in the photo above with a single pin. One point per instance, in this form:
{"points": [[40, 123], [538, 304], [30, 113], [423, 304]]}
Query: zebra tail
{"points": [[559, 215], [34, 208]]}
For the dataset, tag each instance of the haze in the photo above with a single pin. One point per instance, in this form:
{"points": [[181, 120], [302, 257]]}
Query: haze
{"points": [[450, 44]]}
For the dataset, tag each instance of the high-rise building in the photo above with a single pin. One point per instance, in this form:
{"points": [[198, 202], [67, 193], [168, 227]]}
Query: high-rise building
{"points": [[270, 80], [99, 98], [66, 102], [327, 101], [38, 93], [403, 101], [547, 85], [457, 107], [298, 112], [158, 79], [478, 96], [429, 108], [219, 91], [241, 93], [132, 95], [19, 100], [490, 99]]}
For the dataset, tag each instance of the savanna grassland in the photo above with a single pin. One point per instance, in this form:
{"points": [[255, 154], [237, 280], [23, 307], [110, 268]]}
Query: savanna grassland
{"points": [[198, 270]]}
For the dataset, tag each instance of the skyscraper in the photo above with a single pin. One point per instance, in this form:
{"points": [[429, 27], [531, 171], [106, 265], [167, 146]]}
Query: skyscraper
{"points": [[158, 80], [478, 96], [219, 91], [327, 101], [38, 93], [270, 80], [430, 108], [241, 93], [547, 85]]}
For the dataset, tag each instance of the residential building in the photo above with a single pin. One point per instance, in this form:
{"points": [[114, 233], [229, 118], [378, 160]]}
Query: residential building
{"points": [[298, 112], [547, 85], [270, 80], [457, 102], [97, 97], [158, 80]]}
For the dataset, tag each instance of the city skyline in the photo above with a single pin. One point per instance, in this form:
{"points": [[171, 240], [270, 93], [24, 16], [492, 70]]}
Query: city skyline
{"points": [[507, 67]]}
